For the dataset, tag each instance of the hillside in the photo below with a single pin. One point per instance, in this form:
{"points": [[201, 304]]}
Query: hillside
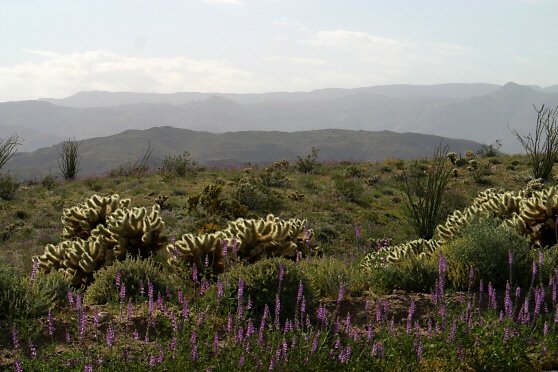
{"points": [[100, 155]]}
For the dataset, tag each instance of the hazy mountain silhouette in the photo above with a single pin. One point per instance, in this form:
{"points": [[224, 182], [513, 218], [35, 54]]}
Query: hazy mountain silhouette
{"points": [[477, 112]]}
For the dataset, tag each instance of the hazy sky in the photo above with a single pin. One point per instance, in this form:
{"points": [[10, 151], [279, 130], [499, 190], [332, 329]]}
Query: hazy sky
{"points": [[57, 48]]}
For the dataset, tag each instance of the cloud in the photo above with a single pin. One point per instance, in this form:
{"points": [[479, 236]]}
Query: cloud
{"points": [[59, 75]]}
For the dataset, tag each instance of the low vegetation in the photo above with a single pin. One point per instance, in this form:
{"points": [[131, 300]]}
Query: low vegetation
{"points": [[296, 266]]}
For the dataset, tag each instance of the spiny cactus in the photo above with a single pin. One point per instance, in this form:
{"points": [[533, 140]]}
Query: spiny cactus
{"points": [[100, 231], [387, 254], [253, 240], [81, 219]]}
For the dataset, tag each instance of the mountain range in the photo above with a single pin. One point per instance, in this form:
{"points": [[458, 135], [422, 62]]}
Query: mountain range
{"points": [[482, 113]]}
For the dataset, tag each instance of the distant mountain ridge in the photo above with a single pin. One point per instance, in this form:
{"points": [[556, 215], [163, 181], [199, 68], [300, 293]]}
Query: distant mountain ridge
{"points": [[476, 112], [100, 155]]}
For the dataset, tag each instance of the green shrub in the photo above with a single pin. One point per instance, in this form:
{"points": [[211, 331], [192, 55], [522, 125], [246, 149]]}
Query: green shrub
{"points": [[261, 285], [19, 298], [348, 189], [179, 165], [327, 274], [56, 286], [484, 245], [308, 164], [134, 273], [257, 197], [411, 274], [8, 186]]}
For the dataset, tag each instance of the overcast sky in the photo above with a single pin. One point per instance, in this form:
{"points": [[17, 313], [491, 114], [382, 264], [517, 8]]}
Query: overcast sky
{"points": [[57, 48]]}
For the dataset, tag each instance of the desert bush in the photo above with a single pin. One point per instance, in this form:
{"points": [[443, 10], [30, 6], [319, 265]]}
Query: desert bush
{"points": [[19, 297], [411, 273], [542, 147], [49, 182], [348, 189], [262, 286], [308, 164], [424, 187], [69, 159], [179, 165], [256, 197], [485, 245], [93, 183], [8, 186], [135, 273], [327, 274], [271, 177]]}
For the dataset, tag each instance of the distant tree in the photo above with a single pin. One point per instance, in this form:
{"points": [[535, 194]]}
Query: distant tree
{"points": [[8, 148], [542, 147], [69, 159]]}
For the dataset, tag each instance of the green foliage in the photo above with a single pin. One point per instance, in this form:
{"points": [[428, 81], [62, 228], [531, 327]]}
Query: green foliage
{"points": [[49, 182], [484, 246], [69, 159], [424, 187], [8, 186], [210, 204], [135, 273], [257, 197], [308, 164], [274, 177], [349, 189], [93, 183], [490, 151], [261, 285], [19, 298], [327, 274], [411, 273], [179, 165]]}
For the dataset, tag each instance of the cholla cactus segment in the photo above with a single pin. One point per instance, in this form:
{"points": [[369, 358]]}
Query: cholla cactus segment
{"points": [[195, 250], [255, 239], [81, 219], [78, 259], [136, 231], [387, 255], [100, 231]]}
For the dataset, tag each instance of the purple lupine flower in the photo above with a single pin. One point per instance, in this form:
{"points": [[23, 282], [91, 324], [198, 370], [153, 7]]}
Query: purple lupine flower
{"points": [[161, 356], [15, 339], [34, 270], [68, 337], [88, 367], [194, 273], [492, 296], [410, 316], [315, 343], [142, 289], [506, 334], [541, 258], [545, 328], [510, 259], [471, 277], [508, 304], [419, 351], [151, 361], [50, 323], [234, 244], [122, 293], [216, 341], [241, 361], [129, 310], [288, 326], [534, 268], [126, 355], [193, 343], [357, 233], [18, 366], [70, 298], [230, 324], [452, 331], [118, 280], [340, 295], [281, 274], [277, 312], [33, 349], [429, 329], [201, 317], [300, 290], [110, 335]]}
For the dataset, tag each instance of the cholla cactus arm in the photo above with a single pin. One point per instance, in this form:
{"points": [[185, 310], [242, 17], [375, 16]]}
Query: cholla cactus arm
{"points": [[195, 249], [80, 220]]}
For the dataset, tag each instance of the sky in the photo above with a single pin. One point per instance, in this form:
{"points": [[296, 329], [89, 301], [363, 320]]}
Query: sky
{"points": [[56, 48]]}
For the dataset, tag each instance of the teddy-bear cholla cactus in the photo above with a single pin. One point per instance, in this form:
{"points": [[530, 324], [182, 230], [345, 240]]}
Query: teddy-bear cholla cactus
{"points": [[80, 220], [390, 254], [253, 240], [532, 212], [119, 231]]}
